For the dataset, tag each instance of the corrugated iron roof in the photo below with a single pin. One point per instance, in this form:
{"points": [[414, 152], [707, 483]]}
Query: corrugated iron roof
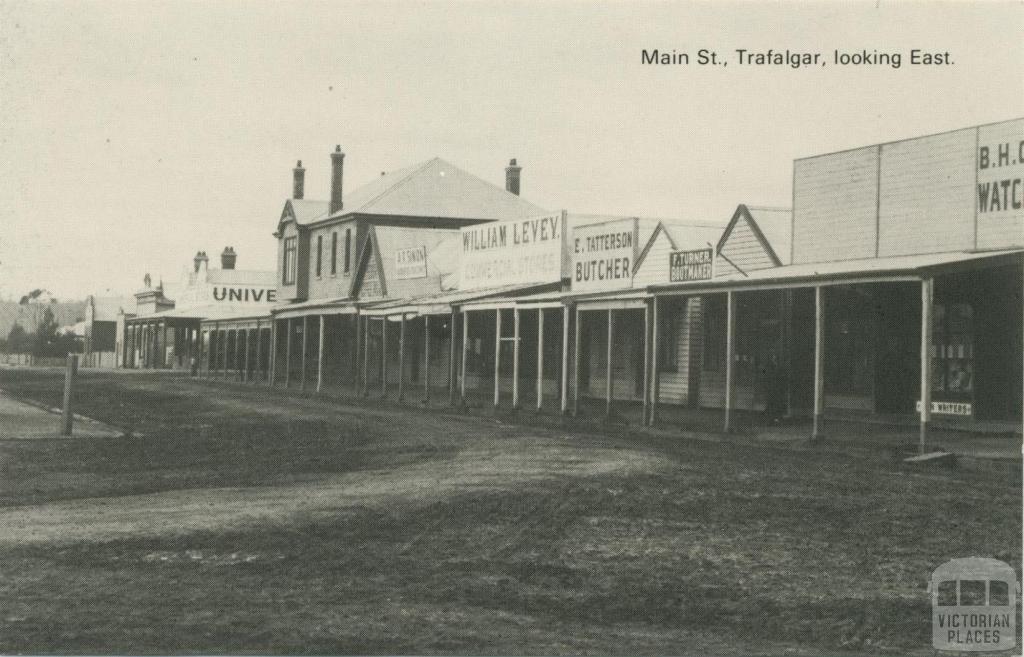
{"points": [[436, 188], [776, 225]]}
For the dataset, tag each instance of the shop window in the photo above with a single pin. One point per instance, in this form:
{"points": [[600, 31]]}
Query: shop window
{"points": [[334, 253], [668, 340], [289, 261], [348, 249], [319, 255], [849, 342], [714, 334], [952, 349]]}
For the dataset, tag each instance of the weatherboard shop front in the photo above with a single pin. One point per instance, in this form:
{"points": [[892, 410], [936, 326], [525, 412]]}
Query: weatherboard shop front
{"points": [[513, 323], [905, 276]]}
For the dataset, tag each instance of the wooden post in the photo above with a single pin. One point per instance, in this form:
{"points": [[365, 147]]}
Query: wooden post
{"points": [[383, 356], [655, 377], [68, 416], [320, 354], [238, 355], [515, 358], [401, 358], [356, 349], [366, 357], [609, 380], [540, 359], [564, 401], [163, 348], [730, 358], [305, 349], [200, 351], [927, 299], [647, 362], [576, 369], [451, 361], [426, 358], [224, 356], [259, 351], [248, 355], [465, 352], [497, 358], [289, 329], [819, 363], [272, 356]]}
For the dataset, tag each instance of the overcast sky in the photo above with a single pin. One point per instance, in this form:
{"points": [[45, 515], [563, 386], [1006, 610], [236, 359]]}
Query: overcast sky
{"points": [[134, 134]]}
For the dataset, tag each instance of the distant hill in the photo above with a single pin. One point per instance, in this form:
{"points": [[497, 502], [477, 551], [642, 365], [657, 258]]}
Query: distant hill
{"points": [[30, 314]]}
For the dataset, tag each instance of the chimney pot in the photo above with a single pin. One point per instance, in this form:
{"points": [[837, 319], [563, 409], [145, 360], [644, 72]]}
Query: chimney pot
{"points": [[512, 175], [227, 258], [337, 176], [199, 260], [298, 181]]}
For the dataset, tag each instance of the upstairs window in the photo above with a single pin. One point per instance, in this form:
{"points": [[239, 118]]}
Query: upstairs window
{"points": [[319, 255], [289, 261], [348, 249], [334, 253]]}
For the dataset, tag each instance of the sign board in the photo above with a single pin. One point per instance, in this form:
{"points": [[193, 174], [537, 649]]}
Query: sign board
{"points": [[411, 263], [948, 408], [603, 255], [516, 252], [684, 266]]}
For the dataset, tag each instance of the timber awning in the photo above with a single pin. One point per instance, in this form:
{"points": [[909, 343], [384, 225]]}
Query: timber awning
{"points": [[890, 269], [336, 306], [442, 304]]}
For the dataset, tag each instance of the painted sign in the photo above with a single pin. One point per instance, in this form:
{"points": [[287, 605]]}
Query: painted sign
{"points": [[520, 251], [684, 266], [1001, 176], [948, 408], [244, 294], [603, 255], [411, 263]]}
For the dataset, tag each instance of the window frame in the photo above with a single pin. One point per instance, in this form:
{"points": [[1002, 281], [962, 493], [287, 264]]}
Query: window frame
{"points": [[334, 253], [319, 255], [290, 260]]}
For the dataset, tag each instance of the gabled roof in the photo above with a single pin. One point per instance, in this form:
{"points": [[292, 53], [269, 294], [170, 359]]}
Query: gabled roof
{"points": [[777, 226], [775, 234], [436, 188], [682, 236], [303, 211], [385, 241]]}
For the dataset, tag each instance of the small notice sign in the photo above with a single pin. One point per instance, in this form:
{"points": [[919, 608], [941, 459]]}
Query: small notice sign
{"points": [[693, 265], [948, 408], [411, 263]]}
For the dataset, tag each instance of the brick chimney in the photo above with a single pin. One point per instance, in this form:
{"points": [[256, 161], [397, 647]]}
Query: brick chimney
{"points": [[198, 261], [298, 181], [512, 177], [228, 257], [337, 170]]}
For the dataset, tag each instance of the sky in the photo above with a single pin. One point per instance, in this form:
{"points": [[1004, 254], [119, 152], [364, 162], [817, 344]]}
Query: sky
{"points": [[134, 134]]}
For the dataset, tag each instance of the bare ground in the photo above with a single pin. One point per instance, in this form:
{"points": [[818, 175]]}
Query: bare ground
{"points": [[233, 520]]}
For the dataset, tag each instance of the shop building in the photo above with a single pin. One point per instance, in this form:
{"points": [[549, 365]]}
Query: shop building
{"points": [[164, 333], [378, 244], [900, 296]]}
